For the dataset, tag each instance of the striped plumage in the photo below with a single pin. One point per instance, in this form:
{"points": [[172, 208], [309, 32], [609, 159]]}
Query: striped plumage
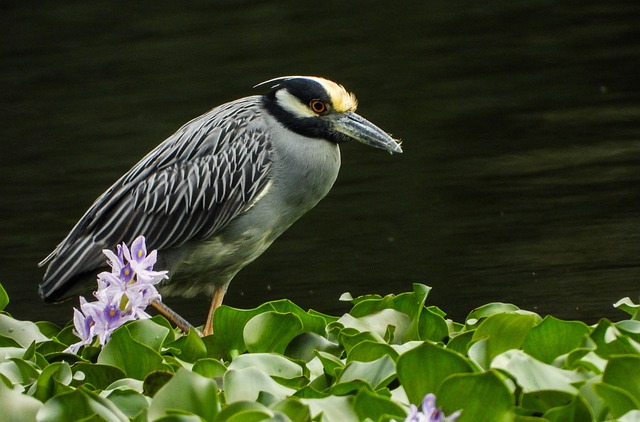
{"points": [[214, 195]]}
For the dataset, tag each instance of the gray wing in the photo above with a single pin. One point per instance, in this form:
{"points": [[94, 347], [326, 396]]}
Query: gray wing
{"points": [[189, 187]]}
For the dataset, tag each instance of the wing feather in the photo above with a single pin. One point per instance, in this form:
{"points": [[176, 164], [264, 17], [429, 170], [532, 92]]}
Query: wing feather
{"points": [[189, 187]]}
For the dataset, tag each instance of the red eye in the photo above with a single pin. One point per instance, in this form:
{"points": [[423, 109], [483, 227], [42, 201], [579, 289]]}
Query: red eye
{"points": [[318, 106]]}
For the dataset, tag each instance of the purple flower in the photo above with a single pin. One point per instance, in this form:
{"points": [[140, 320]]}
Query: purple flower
{"points": [[123, 294], [428, 412]]}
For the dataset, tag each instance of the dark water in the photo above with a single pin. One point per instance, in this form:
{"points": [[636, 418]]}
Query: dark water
{"points": [[520, 122]]}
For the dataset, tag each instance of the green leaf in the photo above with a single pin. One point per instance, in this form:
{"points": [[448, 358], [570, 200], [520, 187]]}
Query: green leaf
{"points": [[228, 325], [17, 407], [367, 351], [628, 306], [377, 324], [79, 405], [271, 364], [481, 397], [373, 406], [246, 385], [500, 333], [624, 372], [130, 402], [191, 347], [479, 314], [53, 380], [245, 412], [332, 365], [377, 373], [421, 370], [188, 392], [149, 333], [137, 360], [333, 408], [303, 346], [155, 381], [553, 337], [271, 332], [293, 408], [209, 368], [618, 400], [533, 375], [610, 341], [576, 411], [311, 322], [4, 298], [97, 375], [461, 342], [23, 332], [432, 326]]}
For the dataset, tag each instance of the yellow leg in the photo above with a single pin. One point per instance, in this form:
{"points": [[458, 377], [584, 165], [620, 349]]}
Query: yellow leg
{"points": [[172, 316], [216, 301]]}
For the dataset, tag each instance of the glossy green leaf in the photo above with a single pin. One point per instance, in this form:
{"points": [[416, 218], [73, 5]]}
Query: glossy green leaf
{"points": [[611, 341], [190, 347], [149, 333], [627, 305], [97, 375], [228, 325], [481, 397], [421, 370], [618, 400], [23, 332], [461, 342], [269, 363], [53, 380], [271, 332], [311, 322], [246, 384], [533, 375], [377, 373], [479, 314], [303, 346], [17, 407], [500, 332], [624, 372], [79, 405], [4, 298], [209, 368], [432, 326], [630, 328], [333, 408], [367, 351], [332, 365], [137, 360], [576, 411], [293, 408], [245, 411], [631, 416], [553, 337], [187, 392], [377, 324], [130, 402], [373, 406], [27, 370]]}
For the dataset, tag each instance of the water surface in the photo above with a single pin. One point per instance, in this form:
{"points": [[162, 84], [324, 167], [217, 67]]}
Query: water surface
{"points": [[519, 120]]}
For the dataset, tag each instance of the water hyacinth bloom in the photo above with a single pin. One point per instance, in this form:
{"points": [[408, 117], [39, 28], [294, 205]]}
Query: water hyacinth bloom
{"points": [[123, 294], [428, 412]]}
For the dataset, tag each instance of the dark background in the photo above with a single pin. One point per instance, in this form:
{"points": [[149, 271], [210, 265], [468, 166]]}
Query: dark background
{"points": [[519, 121]]}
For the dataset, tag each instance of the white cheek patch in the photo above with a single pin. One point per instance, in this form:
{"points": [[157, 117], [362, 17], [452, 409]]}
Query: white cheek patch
{"points": [[292, 104]]}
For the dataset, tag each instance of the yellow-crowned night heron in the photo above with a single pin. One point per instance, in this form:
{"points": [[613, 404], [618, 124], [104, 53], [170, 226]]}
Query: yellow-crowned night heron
{"points": [[214, 195]]}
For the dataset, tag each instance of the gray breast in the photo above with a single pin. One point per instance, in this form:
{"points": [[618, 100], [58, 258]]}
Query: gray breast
{"points": [[302, 172]]}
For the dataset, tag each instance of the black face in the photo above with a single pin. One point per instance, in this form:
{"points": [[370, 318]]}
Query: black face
{"points": [[312, 95]]}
